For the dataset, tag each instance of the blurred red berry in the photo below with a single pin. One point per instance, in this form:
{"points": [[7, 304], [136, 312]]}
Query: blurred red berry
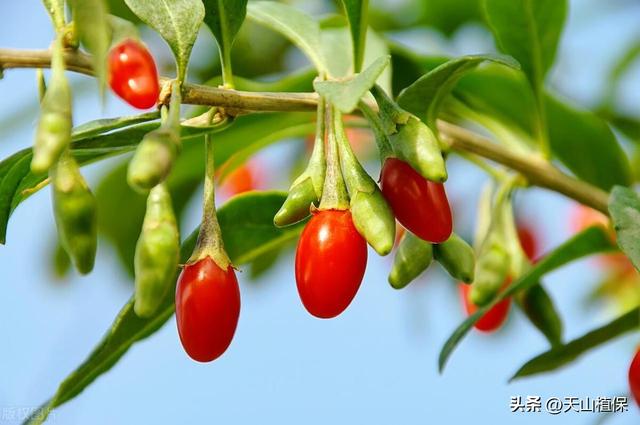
{"points": [[494, 318]]}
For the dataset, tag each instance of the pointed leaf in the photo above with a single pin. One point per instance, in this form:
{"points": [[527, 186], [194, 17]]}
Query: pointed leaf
{"points": [[104, 125], [233, 146], [624, 206], [424, 97], [356, 11], [177, 21], [17, 182], [248, 231], [601, 161], [565, 354], [338, 55], [91, 21], [56, 12], [224, 18], [345, 94], [298, 27], [528, 30], [590, 241]]}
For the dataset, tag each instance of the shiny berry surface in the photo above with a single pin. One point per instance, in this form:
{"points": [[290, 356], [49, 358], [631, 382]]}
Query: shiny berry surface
{"points": [[207, 309], [419, 205], [133, 75], [330, 263]]}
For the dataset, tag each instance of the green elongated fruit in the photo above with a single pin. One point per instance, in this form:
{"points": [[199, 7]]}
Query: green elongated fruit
{"points": [[457, 258], [418, 146], [297, 206], [306, 190], [413, 257], [374, 220], [153, 159], [539, 308], [53, 133], [371, 213], [157, 253], [75, 211], [491, 271]]}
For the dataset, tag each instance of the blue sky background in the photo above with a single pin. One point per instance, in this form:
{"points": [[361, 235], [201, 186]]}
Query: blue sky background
{"points": [[376, 363]]}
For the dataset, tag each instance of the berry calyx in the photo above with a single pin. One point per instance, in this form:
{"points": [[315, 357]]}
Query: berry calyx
{"points": [[207, 309]]}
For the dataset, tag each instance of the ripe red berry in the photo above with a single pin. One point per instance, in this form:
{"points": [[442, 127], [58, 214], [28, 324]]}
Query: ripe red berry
{"points": [[133, 75], [419, 205], [494, 318], [634, 377], [207, 309], [330, 262]]}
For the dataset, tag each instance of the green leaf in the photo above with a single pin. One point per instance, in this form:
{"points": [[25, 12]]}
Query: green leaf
{"points": [[345, 94], [177, 21], [296, 26], [624, 206], [247, 225], [589, 241], [233, 146], [122, 227], [528, 30], [629, 126], [90, 18], [425, 96], [248, 231], [224, 18], [448, 15], [565, 354], [17, 182], [104, 125], [338, 55], [618, 71], [586, 145], [356, 11], [540, 310], [265, 262], [251, 133], [578, 138]]}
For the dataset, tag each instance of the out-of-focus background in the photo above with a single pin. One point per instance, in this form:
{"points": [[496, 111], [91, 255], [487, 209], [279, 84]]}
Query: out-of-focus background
{"points": [[376, 363]]}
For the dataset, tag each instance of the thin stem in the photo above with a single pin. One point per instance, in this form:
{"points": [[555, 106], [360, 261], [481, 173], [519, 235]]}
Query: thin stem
{"points": [[209, 198], [381, 138], [317, 166], [362, 36], [537, 171], [173, 119], [334, 193], [354, 174], [541, 121], [227, 72], [210, 241]]}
